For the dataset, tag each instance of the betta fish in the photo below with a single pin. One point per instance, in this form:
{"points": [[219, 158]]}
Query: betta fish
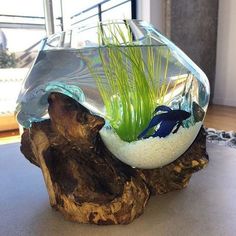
{"points": [[168, 119]]}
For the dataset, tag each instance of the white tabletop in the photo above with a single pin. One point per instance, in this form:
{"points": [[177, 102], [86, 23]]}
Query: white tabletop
{"points": [[206, 207]]}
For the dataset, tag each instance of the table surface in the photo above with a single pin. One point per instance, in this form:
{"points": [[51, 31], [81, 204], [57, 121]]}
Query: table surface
{"points": [[206, 207]]}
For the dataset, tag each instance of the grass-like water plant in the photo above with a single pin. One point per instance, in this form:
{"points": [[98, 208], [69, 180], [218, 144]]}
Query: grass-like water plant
{"points": [[134, 82]]}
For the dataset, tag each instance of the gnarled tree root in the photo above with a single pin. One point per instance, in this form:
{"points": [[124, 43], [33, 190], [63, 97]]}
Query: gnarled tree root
{"points": [[84, 180]]}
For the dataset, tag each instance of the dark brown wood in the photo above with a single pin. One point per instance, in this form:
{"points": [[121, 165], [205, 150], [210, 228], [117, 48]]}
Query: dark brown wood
{"points": [[84, 180], [176, 175]]}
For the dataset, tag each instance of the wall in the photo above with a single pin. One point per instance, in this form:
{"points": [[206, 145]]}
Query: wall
{"points": [[193, 27], [225, 82], [152, 11], [224, 85]]}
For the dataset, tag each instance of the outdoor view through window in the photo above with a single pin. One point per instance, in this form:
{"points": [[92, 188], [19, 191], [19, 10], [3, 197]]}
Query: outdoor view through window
{"points": [[22, 27]]}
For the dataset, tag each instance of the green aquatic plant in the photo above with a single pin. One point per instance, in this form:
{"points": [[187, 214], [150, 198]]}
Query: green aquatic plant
{"points": [[134, 82]]}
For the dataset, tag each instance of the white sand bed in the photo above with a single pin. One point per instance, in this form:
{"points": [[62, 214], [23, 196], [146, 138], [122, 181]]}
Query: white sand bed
{"points": [[152, 152]]}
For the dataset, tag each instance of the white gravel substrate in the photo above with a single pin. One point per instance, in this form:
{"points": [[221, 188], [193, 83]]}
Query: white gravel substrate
{"points": [[152, 152]]}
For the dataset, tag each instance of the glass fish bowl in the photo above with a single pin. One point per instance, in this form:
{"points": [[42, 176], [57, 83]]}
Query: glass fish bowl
{"points": [[151, 95]]}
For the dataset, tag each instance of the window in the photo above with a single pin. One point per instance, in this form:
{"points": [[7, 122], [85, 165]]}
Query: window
{"points": [[104, 10], [22, 26]]}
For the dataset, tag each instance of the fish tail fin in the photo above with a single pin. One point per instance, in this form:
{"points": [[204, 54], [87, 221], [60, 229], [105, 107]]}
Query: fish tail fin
{"points": [[143, 133], [154, 121], [165, 129], [177, 127]]}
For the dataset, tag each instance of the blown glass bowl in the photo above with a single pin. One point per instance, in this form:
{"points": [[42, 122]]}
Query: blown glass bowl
{"points": [[151, 95]]}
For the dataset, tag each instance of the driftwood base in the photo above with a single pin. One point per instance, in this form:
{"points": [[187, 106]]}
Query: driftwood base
{"points": [[84, 180]]}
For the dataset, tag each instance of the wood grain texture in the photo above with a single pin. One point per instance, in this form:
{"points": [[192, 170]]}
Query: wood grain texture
{"points": [[85, 182]]}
